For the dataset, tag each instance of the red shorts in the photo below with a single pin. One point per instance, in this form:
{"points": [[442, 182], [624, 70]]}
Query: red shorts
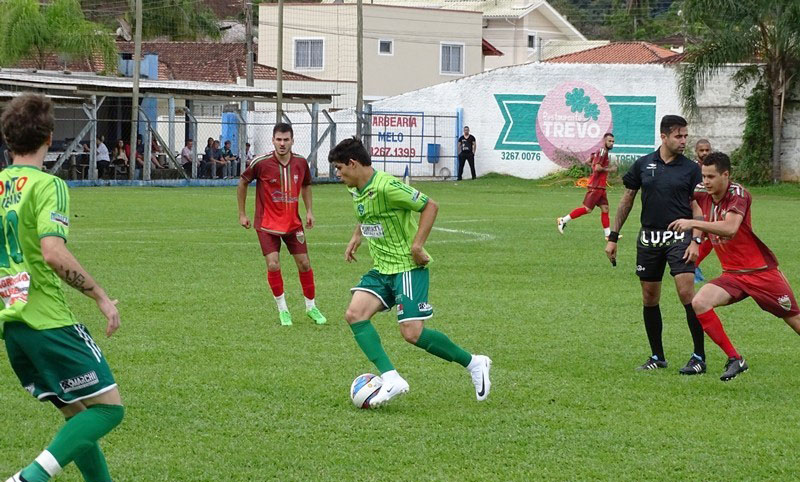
{"points": [[271, 243], [595, 197], [768, 288]]}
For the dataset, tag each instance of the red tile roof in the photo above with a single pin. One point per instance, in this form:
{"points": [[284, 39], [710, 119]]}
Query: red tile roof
{"points": [[616, 53], [221, 63], [206, 62]]}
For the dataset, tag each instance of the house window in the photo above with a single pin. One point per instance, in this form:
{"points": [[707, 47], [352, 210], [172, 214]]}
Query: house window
{"points": [[531, 41], [308, 54], [452, 59], [385, 47]]}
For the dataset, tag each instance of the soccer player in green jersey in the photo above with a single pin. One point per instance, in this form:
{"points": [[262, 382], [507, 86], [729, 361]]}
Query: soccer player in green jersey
{"points": [[385, 210], [53, 355]]}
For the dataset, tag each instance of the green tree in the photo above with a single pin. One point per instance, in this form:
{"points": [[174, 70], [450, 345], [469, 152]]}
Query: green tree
{"points": [[177, 20], [31, 30], [764, 34]]}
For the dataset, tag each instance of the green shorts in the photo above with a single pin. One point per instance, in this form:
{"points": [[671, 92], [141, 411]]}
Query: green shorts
{"points": [[61, 365], [407, 290]]}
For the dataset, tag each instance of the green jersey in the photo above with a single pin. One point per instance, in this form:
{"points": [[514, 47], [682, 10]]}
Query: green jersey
{"points": [[384, 209], [33, 205]]}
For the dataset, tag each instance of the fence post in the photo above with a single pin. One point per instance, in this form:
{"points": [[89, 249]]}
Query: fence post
{"points": [[332, 135], [192, 135], [171, 132], [148, 151], [242, 149], [312, 156], [93, 141], [366, 133]]}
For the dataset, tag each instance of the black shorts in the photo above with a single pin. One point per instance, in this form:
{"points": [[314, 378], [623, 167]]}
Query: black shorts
{"points": [[656, 248]]}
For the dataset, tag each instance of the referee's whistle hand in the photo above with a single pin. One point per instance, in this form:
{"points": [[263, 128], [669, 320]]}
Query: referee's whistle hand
{"points": [[611, 250]]}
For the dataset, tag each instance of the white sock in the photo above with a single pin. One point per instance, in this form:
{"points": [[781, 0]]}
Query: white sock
{"points": [[281, 301], [566, 219], [473, 363], [310, 304], [606, 231]]}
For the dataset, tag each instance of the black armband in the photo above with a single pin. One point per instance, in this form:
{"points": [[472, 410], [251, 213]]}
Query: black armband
{"points": [[613, 236]]}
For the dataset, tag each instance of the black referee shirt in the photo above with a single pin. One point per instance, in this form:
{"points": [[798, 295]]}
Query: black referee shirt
{"points": [[666, 188]]}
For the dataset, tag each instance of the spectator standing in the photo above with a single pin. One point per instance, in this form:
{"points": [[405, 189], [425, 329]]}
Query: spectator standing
{"points": [[466, 152]]}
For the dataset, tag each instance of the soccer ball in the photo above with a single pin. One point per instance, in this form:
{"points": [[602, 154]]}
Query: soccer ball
{"points": [[364, 387]]}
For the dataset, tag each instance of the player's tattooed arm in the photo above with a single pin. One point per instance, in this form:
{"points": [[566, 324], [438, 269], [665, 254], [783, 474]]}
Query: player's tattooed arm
{"points": [[624, 208]]}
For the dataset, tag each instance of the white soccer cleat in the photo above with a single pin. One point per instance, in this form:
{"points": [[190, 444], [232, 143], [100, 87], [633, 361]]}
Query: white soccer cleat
{"points": [[479, 370], [389, 390], [561, 225]]}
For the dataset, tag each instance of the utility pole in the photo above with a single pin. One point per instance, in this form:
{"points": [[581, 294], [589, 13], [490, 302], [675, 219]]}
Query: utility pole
{"points": [[137, 57], [248, 15], [279, 107], [359, 67]]}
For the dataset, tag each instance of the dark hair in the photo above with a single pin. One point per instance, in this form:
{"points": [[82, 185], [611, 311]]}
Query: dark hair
{"points": [[351, 148], [228, 141], [27, 123], [670, 122], [702, 141], [466, 127], [282, 127], [720, 160], [608, 134]]}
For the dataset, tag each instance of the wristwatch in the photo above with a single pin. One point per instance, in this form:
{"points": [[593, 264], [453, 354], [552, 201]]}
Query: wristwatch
{"points": [[697, 239]]}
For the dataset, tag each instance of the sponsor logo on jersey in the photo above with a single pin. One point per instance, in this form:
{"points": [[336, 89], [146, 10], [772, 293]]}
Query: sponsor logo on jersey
{"points": [[296, 177], [400, 309], [11, 190], [415, 196], [14, 288], [652, 165], [59, 218], [372, 230], [660, 238], [79, 382], [360, 209], [424, 307], [785, 302], [273, 181], [301, 237]]}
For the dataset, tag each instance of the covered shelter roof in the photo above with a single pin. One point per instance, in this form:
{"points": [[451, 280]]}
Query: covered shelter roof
{"points": [[85, 85]]}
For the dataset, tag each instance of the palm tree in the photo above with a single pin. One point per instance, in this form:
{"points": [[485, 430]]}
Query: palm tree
{"points": [[31, 30], [765, 34]]}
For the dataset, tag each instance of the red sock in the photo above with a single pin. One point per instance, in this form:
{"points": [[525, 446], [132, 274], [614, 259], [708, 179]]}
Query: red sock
{"points": [[307, 282], [713, 328], [577, 212], [605, 221], [705, 249], [275, 281]]}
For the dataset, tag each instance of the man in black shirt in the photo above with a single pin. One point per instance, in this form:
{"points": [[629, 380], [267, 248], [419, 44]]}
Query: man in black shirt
{"points": [[667, 179], [466, 152]]}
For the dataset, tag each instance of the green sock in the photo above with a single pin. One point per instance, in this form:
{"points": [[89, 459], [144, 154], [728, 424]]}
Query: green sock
{"points": [[437, 343], [370, 343], [35, 473], [81, 433], [92, 464]]}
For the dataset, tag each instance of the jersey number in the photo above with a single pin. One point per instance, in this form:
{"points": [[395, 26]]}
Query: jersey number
{"points": [[9, 230]]}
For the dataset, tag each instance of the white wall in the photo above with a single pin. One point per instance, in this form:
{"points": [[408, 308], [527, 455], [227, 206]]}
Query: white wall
{"points": [[639, 95]]}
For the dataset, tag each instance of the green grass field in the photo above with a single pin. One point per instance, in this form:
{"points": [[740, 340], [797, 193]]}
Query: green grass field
{"points": [[216, 390]]}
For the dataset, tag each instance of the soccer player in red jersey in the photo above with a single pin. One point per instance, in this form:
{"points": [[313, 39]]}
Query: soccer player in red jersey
{"points": [[282, 178], [749, 267], [701, 150], [596, 195]]}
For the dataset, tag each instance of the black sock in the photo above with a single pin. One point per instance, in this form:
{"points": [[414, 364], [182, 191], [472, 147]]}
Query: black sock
{"points": [[697, 332], [653, 324]]}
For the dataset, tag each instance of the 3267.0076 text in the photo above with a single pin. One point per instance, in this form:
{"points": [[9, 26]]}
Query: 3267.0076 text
{"points": [[520, 156]]}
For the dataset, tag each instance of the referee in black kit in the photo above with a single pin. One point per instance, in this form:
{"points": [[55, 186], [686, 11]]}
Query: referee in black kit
{"points": [[667, 180]]}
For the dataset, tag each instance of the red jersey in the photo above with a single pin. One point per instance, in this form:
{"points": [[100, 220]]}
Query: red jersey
{"points": [[598, 178], [278, 192], [744, 251]]}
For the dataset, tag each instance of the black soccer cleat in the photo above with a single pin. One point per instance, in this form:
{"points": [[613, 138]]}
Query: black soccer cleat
{"points": [[653, 364], [734, 367], [694, 366]]}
